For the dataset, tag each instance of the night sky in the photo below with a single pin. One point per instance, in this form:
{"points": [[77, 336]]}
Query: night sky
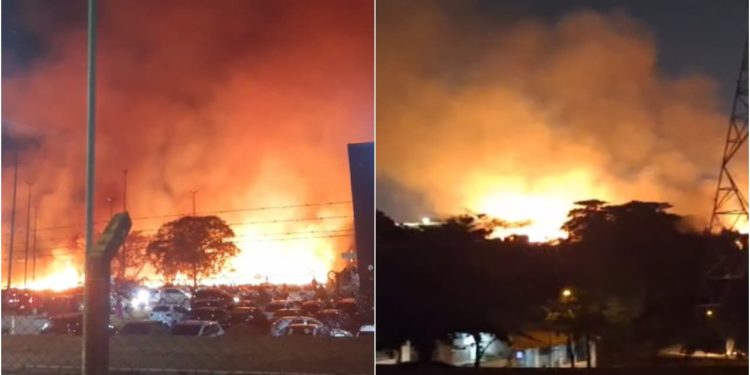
{"points": [[691, 35]]}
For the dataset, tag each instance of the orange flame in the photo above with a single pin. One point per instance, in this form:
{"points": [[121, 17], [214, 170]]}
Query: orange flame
{"points": [[63, 277]]}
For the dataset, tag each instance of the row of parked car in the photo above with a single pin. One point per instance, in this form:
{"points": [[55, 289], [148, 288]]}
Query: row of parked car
{"points": [[277, 317], [215, 311]]}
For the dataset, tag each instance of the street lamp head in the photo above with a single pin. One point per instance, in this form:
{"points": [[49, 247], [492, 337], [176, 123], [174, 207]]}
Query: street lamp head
{"points": [[567, 293]]}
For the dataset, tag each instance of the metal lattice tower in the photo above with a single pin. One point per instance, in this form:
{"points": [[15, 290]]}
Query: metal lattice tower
{"points": [[730, 206], [730, 209]]}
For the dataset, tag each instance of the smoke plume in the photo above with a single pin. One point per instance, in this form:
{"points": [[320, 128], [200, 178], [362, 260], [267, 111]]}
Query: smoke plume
{"points": [[249, 103], [520, 118]]}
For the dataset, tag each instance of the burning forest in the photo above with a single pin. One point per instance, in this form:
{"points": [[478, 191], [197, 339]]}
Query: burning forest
{"points": [[541, 114], [221, 113]]}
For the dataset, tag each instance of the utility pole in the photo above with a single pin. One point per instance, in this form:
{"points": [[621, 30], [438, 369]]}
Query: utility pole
{"points": [[193, 192], [125, 190], [95, 343], [28, 233], [124, 256], [12, 219], [33, 251]]}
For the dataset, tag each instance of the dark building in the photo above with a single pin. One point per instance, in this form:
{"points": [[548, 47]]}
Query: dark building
{"points": [[362, 172]]}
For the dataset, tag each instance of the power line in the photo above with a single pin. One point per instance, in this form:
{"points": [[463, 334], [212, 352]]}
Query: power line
{"points": [[73, 237], [281, 236], [332, 203]]}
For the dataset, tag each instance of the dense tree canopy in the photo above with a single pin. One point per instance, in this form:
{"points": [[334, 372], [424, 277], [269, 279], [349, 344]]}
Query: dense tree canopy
{"points": [[196, 246], [637, 269]]}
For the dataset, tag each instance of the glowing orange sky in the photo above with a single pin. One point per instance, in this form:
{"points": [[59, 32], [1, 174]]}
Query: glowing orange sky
{"points": [[252, 103]]}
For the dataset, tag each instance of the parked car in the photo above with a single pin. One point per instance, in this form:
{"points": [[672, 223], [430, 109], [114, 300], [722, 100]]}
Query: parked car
{"points": [[310, 307], [198, 328], [211, 314], [20, 302], [67, 324], [348, 306], [168, 314], [279, 326], [214, 294], [144, 327], [366, 330], [170, 295], [338, 332], [275, 305], [282, 313], [56, 304], [240, 315], [332, 318], [209, 303], [304, 330]]}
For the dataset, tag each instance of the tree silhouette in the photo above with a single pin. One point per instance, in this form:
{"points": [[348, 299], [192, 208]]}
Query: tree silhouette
{"points": [[197, 246], [637, 269]]}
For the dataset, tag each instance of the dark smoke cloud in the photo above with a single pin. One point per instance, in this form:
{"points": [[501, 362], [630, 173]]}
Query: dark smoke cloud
{"points": [[251, 103], [564, 110]]}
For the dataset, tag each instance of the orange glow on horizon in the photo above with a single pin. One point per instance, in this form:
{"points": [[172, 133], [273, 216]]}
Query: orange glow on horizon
{"points": [[537, 212], [64, 276]]}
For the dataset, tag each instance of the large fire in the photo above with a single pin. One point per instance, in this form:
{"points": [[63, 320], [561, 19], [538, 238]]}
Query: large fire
{"points": [[537, 212], [256, 110], [62, 276], [520, 119]]}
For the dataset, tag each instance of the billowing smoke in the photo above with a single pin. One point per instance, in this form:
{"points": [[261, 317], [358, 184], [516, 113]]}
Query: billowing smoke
{"points": [[249, 103], [520, 117]]}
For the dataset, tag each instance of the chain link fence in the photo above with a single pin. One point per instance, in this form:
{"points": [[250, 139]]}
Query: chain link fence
{"points": [[181, 330]]}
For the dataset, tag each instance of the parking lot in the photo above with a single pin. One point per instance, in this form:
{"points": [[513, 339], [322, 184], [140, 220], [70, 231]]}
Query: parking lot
{"points": [[239, 328]]}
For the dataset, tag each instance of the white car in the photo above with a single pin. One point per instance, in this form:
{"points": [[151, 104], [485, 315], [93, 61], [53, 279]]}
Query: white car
{"points": [[338, 332], [168, 314], [366, 330], [174, 296], [197, 328], [279, 326]]}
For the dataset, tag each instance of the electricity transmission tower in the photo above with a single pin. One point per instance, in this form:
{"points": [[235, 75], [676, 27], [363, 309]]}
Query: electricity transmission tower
{"points": [[730, 208], [730, 205]]}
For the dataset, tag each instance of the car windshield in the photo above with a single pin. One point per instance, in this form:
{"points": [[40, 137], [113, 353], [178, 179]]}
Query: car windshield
{"points": [[301, 330], [186, 330]]}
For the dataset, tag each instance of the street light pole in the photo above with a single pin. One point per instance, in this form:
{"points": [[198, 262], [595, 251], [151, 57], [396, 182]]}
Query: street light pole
{"points": [[33, 251], [125, 190], [12, 220], [28, 234], [194, 191]]}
